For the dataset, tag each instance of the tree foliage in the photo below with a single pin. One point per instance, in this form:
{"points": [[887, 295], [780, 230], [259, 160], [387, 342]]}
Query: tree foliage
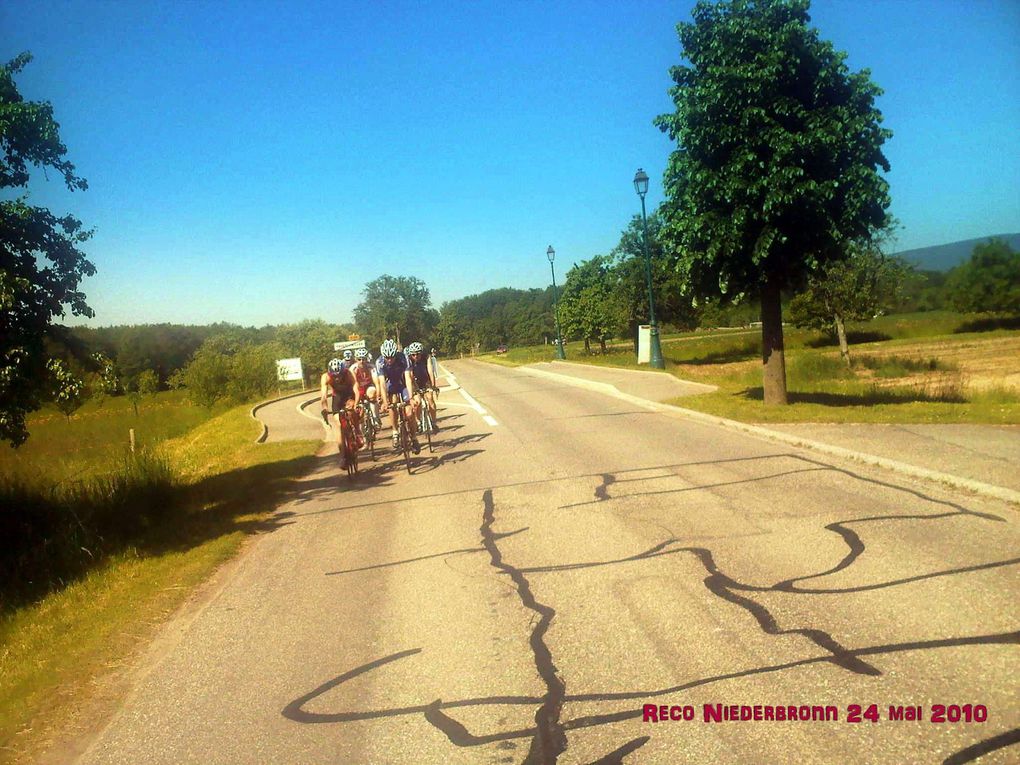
{"points": [[41, 263], [253, 372], [505, 315], [673, 299], [206, 377], [590, 307], [67, 390], [866, 283], [778, 158], [989, 281], [398, 307]]}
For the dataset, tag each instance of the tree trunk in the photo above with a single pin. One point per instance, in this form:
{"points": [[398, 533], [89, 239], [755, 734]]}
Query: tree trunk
{"points": [[773, 359], [844, 349], [587, 346], [602, 343]]}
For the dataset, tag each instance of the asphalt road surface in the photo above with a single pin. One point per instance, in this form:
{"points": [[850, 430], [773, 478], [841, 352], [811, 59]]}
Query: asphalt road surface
{"points": [[565, 563]]}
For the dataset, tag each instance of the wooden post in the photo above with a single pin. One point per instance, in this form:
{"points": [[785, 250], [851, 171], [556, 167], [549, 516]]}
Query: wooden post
{"points": [[131, 435]]}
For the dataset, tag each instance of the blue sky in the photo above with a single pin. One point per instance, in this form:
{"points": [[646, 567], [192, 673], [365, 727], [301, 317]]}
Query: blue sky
{"points": [[260, 162]]}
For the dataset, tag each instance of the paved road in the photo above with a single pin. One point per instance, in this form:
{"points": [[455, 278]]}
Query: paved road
{"points": [[565, 559]]}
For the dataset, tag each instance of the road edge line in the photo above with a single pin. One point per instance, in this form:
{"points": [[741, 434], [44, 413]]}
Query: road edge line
{"points": [[265, 428]]}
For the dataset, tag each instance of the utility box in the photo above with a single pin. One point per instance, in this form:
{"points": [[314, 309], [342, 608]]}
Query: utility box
{"points": [[644, 343]]}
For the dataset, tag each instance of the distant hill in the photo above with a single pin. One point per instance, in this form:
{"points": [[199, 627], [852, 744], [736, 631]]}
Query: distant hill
{"points": [[946, 256]]}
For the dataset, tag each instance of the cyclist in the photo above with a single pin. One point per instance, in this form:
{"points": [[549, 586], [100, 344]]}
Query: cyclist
{"points": [[366, 378], [421, 376], [434, 366], [338, 390], [395, 380]]}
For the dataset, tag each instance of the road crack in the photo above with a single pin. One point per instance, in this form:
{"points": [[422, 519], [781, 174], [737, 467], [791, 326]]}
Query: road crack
{"points": [[550, 739]]}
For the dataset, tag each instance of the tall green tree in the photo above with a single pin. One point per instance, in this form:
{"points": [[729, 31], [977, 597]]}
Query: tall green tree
{"points": [[590, 307], [673, 300], [854, 289], [777, 163], [41, 265], [397, 307], [989, 281]]}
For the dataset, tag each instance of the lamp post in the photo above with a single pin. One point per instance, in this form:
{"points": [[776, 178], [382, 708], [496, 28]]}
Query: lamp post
{"points": [[655, 360], [551, 254]]}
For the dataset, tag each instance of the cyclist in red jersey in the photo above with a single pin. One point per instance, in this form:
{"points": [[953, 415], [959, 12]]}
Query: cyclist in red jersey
{"points": [[338, 390], [365, 378]]}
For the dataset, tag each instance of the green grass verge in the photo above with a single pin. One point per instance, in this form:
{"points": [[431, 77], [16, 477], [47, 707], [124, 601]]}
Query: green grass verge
{"points": [[53, 651], [885, 385], [96, 439]]}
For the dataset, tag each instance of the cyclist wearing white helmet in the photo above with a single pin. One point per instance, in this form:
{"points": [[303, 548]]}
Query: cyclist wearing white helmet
{"points": [[395, 380], [365, 376], [338, 391], [422, 379]]}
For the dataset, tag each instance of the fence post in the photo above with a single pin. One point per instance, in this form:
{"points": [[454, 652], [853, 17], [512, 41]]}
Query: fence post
{"points": [[131, 435]]}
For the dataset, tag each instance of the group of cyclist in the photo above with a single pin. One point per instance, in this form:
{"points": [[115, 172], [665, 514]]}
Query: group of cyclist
{"points": [[393, 380]]}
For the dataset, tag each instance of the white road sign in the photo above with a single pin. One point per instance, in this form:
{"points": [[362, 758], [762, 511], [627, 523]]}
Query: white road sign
{"points": [[289, 369], [349, 345]]}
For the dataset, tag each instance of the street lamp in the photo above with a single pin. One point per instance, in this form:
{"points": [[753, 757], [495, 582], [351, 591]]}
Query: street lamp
{"points": [[641, 187], [551, 254]]}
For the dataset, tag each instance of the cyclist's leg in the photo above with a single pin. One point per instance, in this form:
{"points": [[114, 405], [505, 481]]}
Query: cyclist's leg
{"points": [[394, 399], [370, 395], [412, 414], [355, 422], [430, 398], [412, 419]]}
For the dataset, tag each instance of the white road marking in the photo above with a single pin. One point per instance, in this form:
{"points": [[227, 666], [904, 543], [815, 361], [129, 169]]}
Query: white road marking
{"points": [[467, 397], [489, 419]]}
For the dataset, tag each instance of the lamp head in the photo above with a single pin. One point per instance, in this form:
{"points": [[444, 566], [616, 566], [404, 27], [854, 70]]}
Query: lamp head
{"points": [[550, 253], [641, 183]]}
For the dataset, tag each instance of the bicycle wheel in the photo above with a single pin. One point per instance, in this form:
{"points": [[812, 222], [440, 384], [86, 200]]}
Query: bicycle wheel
{"points": [[368, 430], [426, 423], [405, 440], [350, 447]]}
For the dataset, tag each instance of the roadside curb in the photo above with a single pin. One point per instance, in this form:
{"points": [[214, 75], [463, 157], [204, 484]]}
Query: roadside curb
{"points": [[265, 428], [978, 487]]}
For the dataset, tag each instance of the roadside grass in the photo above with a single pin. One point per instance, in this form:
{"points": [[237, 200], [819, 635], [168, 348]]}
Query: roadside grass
{"points": [[937, 367], [57, 650], [96, 438]]}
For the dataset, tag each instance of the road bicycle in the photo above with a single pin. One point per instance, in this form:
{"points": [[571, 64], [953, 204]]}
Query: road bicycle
{"points": [[348, 443], [370, 425], [426, 424], [403, 429]]}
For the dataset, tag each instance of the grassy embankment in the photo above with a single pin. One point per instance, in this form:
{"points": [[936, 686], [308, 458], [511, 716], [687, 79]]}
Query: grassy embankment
{"points": [[937, 367], [108, 545]]}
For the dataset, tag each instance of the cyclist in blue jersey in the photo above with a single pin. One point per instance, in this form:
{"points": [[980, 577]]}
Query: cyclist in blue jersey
{"points": [[422, 379], [395, 377]]}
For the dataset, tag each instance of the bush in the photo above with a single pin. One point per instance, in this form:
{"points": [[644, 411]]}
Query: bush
{"points": [[206, 377]]}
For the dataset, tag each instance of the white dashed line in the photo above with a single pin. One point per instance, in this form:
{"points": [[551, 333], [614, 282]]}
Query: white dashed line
{"points": [[489, 419]]}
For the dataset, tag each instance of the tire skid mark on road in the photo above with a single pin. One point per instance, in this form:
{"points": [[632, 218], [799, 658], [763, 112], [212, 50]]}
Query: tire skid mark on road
{"points": [[981, 748], [616, 756], [550, 739]]}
